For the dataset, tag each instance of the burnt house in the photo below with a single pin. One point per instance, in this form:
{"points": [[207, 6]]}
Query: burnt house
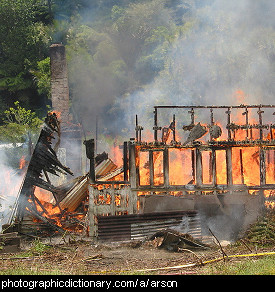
{"points": [[200, 163]]}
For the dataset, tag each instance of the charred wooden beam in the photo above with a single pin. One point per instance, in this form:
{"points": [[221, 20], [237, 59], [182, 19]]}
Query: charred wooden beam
{"points": [[198, 167], [166, 166], [262, 158], [34, 212], [132, 166], [229, 166], [213, 167], [43, 160], [151, 168], [125, 161], [90, 153], [138, 130], [241, 165]]}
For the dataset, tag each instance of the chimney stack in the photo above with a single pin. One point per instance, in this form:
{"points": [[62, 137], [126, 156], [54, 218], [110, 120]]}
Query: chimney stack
{"points": [[71, 134], [59, 83]]}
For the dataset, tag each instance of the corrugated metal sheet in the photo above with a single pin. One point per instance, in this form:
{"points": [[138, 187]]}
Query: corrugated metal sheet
{"points": [[76, 194], [105, 167], [111, 175], [140, 226]]}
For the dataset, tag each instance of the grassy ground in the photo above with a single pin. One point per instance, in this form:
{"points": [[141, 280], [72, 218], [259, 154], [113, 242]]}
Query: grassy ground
{"points": [[87, 258], [262, 266], [83, 259]]}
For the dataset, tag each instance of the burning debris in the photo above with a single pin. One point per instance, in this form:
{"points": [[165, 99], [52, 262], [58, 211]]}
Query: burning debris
{"points": [[195, 133], [39, 200], [43, 208], [230, 163], [150, 191], [173, 240]]}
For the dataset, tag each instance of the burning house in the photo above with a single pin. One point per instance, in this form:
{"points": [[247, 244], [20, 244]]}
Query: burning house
{"points": [[203, 166], [221, 175]]}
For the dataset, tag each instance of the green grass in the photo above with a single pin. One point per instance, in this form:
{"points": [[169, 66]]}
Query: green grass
{"points": [[262, 266]]}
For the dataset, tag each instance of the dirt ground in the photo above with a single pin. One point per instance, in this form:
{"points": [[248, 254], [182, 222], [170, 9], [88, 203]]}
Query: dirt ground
{"points": [[130, 258]]}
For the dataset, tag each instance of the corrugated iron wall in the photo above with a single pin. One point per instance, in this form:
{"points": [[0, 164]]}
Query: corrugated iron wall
{"points": [[140, 226]]}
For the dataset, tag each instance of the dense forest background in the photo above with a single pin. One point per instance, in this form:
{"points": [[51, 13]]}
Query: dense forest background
{"points": [[124, 56]]}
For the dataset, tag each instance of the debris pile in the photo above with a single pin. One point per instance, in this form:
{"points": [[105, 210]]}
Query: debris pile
{"points": [[44, 208], [173, 240]]}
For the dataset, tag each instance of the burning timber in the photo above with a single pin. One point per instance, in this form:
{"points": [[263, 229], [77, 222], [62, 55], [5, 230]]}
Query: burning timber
{"points": [[43, 208], [44, 161], [213, 167], [222, 170]]}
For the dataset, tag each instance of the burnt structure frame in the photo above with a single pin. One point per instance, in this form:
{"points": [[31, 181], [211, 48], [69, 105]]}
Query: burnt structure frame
{"points": [[132, 148], [212, 145]]}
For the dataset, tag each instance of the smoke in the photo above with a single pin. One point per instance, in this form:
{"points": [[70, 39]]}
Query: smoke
{"points": [[11, 180], [222, 48], [229, 48]]}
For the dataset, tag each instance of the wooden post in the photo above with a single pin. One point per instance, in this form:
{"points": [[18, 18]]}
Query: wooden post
{"points": [[92, 212], [262, 157], [241, 165], [132, 165], [174, 127], [134, 178], [113, 204], [151, 168], [125, 161], [198, 167], [214, 167], [228, 112], [166, 167], [229, 166], [156, 125], [90, 153], [260, 112], [193, 165]]}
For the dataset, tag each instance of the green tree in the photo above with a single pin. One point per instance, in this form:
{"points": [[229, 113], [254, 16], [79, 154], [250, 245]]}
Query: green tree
{"points": [[20, 43], [134, 25], [18, 123], [24, 41], [43, 77]]}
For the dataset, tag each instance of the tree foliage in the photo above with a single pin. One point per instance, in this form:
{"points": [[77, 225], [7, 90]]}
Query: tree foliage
{"points": [[21, 41], [123, 52], [18, 123]]}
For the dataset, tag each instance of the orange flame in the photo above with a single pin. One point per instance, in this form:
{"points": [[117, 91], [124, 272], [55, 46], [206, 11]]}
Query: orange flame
{"points": [[22, 162], [58, 114]]}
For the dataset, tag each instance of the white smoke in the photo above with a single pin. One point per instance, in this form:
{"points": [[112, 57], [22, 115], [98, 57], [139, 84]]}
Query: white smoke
{"points": [[10, 183], [230, 48]]}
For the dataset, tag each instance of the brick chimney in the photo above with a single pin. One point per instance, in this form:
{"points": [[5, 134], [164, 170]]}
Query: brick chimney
{"points": [[59, 82], [71, 134]]}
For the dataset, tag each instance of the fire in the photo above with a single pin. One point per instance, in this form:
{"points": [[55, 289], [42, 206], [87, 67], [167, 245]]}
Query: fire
{"points": [[57, 113], [245, 160], [49, 209], [47, 203], [116, 154], [22, 162], [240, 96], [179, 174]]}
